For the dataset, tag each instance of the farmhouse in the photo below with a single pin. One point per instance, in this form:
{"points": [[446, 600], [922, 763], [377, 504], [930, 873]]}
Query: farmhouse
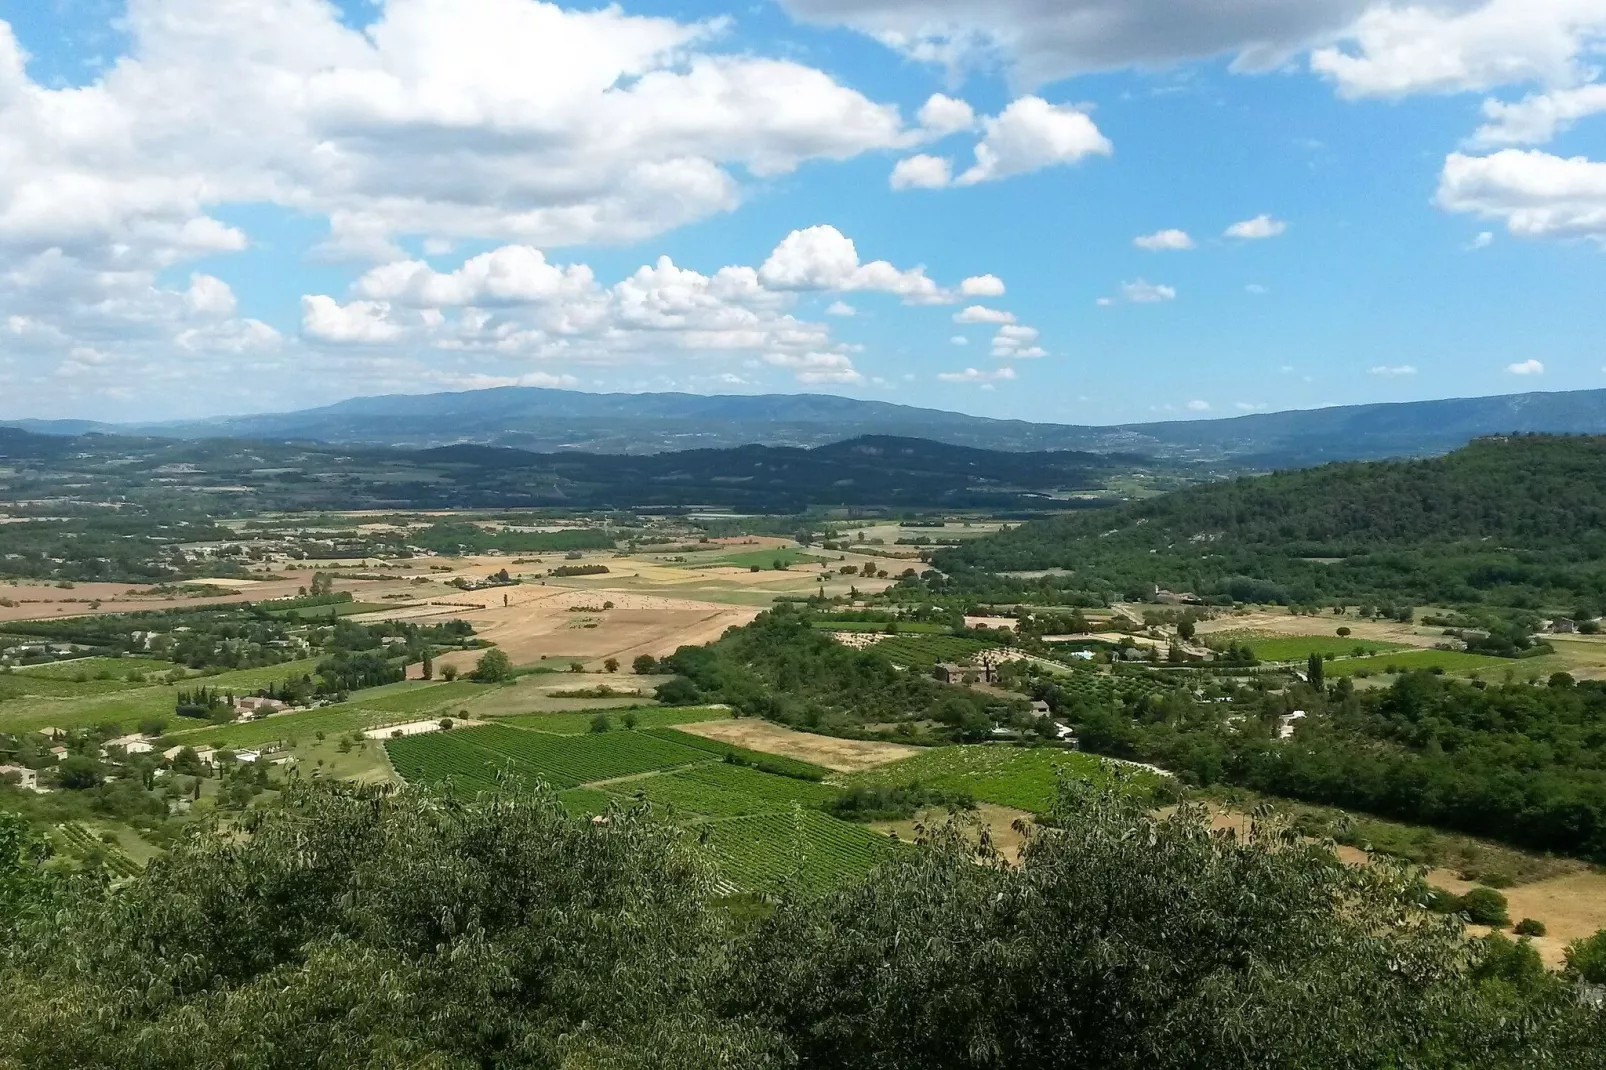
{"points": [[53, 733], [952, 673], [134, 744], [1040, 708], [251, 709], [1285, 724], [25, 778]]}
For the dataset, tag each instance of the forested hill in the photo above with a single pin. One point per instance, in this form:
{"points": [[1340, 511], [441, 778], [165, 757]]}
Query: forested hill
{"points": [[1517, 520]]}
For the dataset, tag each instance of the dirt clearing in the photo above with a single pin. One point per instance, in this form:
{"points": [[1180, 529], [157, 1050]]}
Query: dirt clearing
{"points": [[841, 755]]}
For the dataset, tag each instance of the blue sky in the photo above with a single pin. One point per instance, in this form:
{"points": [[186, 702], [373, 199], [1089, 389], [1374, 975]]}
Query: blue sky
{"points": [[210, 207]]}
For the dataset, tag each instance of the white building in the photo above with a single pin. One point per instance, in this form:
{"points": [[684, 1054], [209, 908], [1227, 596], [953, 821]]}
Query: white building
{"points": [[26, 778]]}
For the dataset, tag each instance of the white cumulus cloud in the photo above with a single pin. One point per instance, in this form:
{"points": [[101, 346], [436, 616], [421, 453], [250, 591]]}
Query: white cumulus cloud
{"points": [[816, 368], [1256, 229], [1535, 194], [983, 314], [976, 375], [1164, 240], [1526, 367], [1393, 371], [921, 172], [1031, 134], [942, 115], [982, 286]]}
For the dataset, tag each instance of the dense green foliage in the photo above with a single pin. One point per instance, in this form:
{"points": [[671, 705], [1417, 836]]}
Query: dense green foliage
{"points": [[782, 668], [1511, 522], [351, 927], [1514, 762]]}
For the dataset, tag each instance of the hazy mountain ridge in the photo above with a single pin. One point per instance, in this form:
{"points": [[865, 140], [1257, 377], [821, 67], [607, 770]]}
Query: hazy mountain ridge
{"points": [[547, 420]]}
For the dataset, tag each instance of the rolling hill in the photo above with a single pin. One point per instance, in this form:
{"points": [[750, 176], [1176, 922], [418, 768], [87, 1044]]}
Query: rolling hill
{"points": [[548, 420], [1516, 522]]}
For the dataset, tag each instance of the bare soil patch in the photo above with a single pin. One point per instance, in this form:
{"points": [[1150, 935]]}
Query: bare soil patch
{"points": [[999, 821], [841, 755], [1275, 624]]}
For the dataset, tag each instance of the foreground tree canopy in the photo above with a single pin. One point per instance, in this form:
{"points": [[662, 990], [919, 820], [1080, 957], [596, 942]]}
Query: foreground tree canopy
{"points": [[353, 927]]}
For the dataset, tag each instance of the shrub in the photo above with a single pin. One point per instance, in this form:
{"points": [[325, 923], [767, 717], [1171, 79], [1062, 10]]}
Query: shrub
{"points": [[494, 667], [1485, 906], [1586, 959], [1529, 927], [600, 723]]}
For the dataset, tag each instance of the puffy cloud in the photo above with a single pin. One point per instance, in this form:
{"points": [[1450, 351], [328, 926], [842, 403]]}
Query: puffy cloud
{"points": [[983, 314], [1536, 119], [816, 368], [210, 296], [921, 172], [823, 258], [517, 121], [1482, 240], [1142, 292], [1032, 134], [1015, 342], [840, 308], [1046, 40], [1396, 49], [1393, 371], [1198, 406], [1537, 195], [959, 340], [1257, 229], [942, 115], [1526, 367], [982, 286], [360, 322], [975, 375], [512, 274], [1162, 240]]}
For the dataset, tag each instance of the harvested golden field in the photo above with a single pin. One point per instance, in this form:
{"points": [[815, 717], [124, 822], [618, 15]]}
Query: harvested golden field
{"points": [[842, 755]]}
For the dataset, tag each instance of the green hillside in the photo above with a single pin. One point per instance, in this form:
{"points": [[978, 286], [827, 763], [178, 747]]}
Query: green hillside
{"points": [[1517, 521]]}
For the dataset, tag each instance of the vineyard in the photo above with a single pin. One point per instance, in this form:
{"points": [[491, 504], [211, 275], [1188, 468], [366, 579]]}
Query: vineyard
{"points": [[86, 844], [475, 755], [924, 651], [646, 717], [769, 763], [721, 789], [1024, 779], [1106, 689], [803, 848]]}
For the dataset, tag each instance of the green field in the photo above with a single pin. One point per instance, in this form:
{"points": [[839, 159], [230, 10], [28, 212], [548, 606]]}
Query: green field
{"points": [[564, 761], [303, 726], [1451, 661], [801, 848], [646, 717], [1025, 779], [89, 668], [762, 827], [904, 628], [721, 789], [1300, 647], [130, 704], [787, 556], [418, 697], [924, 651], [337, 609], [1109, 687]]}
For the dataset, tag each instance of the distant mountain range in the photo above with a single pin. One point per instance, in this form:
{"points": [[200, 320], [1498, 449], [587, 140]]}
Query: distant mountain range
{"points": [[254, 475], [543, 420]]}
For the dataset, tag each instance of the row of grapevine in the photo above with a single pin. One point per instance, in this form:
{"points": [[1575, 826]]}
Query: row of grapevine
{"points": [[803, 848], [574, 760], [1017, 777], [924, 651], [720, 789], [85, 843]]}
